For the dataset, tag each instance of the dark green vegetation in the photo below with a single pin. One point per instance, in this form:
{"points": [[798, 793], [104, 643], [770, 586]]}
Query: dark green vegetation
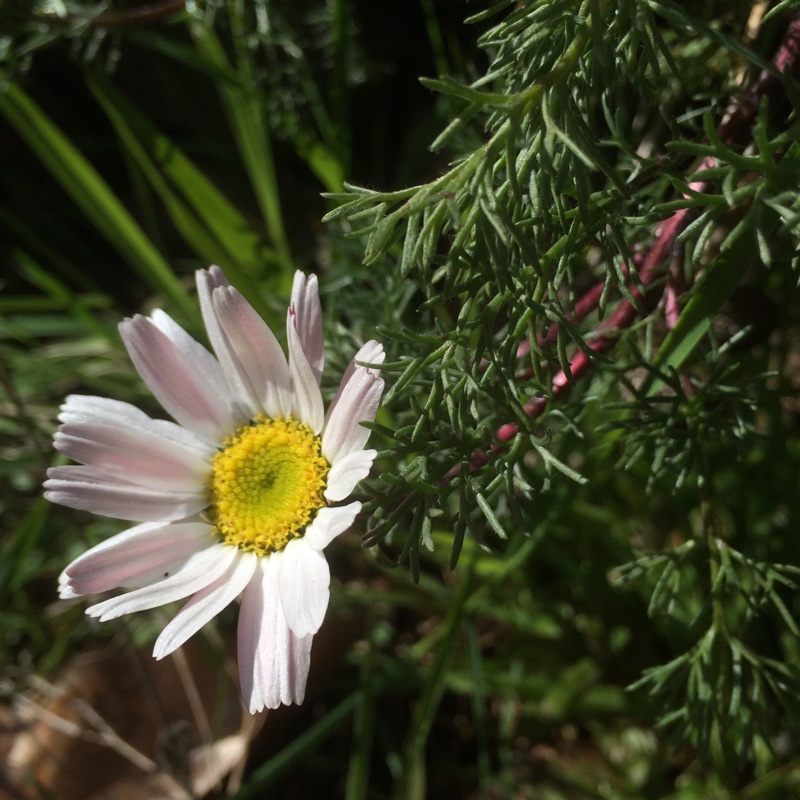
{"points": [[583, 557]]}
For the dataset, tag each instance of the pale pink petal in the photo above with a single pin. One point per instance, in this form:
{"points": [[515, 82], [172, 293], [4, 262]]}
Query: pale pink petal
{"points": [[358, 403], [307, 313], [255, 353], [78, 409], [370, 353], [308, 406], [206, 604], [273, 662], [90, 489], [228, 400], [200, 570], [135, 455], [208, 282], [329, 523], [304, 579], [347, 472], [183, 376], [135, 557]]}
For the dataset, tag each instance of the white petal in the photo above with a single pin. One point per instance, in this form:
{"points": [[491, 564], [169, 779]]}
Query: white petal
{"points": [[200, 570], [304, 579], [138, 556], [358, 403], [135, 455], [308, 406], [88, 408], [78, 409], [273, 662], [90, 489], [254, 352], [307, 313], [370, 353], [183, 376], [329, 523], [65, 590], [249, 628], [296, 665], [206, 604], [347, 472]]}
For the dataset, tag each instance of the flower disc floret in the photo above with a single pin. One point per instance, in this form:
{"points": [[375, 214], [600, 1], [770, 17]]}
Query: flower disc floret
{"points": [[267, 484]]}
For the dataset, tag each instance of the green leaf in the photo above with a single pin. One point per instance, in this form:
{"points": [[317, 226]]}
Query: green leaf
{"points": [[62, 297], [491, 518], [244, 112]]}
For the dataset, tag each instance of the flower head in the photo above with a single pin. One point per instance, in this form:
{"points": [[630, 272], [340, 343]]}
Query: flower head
{"points": [[240, 497]]}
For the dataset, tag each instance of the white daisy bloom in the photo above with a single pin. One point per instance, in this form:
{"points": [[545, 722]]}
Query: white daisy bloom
{"points": [[240, 497]]}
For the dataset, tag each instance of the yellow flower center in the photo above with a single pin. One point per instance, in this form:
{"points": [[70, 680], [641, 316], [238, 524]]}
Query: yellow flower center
{"points": [[267, 484]]}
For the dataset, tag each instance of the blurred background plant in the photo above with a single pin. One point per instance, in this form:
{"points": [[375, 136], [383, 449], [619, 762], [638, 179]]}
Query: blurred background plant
{"points": [[577, 238]]}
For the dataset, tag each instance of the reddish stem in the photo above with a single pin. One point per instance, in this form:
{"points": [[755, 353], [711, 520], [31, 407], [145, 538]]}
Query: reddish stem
{"points": [[733, 129], [110, 19]]}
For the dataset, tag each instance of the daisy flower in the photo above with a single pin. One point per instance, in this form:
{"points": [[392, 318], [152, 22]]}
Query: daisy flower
{"points": [[240, 497]]}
